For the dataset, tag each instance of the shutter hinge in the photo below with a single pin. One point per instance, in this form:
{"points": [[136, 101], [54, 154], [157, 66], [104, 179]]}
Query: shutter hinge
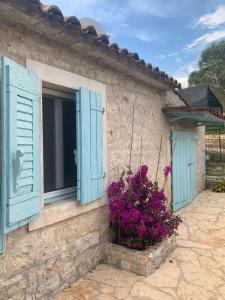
{"points": [[103, 110]]}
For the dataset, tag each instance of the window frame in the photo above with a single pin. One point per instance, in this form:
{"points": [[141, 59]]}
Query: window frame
{"points": [[49, 77], [65, 193]]}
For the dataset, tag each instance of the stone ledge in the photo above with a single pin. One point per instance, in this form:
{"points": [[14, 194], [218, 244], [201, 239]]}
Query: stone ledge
{"points": [[139, 262]]}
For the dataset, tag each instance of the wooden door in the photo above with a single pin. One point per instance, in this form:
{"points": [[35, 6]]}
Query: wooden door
{"points": [[184, 168]]}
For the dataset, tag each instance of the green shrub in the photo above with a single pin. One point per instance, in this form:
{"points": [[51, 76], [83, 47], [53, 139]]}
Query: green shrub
{"points": [[219, 187]]}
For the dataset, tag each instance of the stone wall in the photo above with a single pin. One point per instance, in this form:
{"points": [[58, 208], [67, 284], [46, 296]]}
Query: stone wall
{"points": [[201, 162], [139, 262], [40, 263]]}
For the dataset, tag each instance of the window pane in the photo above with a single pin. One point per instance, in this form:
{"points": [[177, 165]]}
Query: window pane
{"points": [[59, 143], [69, 143], [49, 144]]}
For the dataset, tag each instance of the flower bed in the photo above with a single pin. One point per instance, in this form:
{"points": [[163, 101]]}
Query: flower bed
{"points": [[142, 224], [139, 214], [139, 262]]}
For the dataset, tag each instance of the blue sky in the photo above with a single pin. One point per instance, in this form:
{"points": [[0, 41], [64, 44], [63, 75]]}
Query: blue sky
{"points": [[169, 34]]}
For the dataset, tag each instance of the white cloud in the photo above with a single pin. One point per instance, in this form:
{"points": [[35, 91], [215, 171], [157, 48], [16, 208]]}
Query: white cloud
{"points": [[183, 73], [143, 36], [206, 39], [173, 54], [163, 56], [183, 80], [190, 67], [214, 19], [158, 8], [146, 7], [179, 60], [112, 17], [77, 7]]}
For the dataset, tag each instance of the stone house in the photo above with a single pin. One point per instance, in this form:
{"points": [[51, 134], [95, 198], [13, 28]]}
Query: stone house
{"points": [[67, 101]]}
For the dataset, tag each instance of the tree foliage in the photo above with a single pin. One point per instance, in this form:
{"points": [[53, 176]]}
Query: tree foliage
{"points": [[212, 70]]}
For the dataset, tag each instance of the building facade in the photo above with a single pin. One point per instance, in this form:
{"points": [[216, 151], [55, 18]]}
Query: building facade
{"points": [[68, 102]]}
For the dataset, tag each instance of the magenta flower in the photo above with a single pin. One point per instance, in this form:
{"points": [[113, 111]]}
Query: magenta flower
{"points": [[144, 170], [167, 171], [139, 215]]}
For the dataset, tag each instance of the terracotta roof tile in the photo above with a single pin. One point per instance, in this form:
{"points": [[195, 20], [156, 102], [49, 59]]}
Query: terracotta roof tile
{"points": [[103, 38], [123, 51], [114, 46], [72, 23], [90, 30]]}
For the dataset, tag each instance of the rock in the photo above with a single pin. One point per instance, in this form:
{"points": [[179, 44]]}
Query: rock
{"points": [[17, 263], [106, 289], [138, 262], [208, 262], [201, 277], [188, 291], [80, 290], [190, 244], [121, 292], [184, 255], [222, 289], [113, 277], [166, 276], [141, 289]]}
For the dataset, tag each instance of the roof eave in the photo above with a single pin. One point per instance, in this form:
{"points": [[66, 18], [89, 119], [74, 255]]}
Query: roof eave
{"points": [[30, 15], [204, 116]]}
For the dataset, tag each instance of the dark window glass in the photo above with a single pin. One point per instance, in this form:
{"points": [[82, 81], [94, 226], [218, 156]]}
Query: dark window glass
{"points": [[59, 143], [49, 144], [69, 143]]}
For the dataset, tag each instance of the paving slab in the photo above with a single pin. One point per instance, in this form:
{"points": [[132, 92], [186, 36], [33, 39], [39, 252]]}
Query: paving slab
{"points": [[194, 271]]}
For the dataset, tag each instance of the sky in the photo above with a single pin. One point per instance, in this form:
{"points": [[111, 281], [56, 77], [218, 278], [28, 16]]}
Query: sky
{"points": [[169, 34]]}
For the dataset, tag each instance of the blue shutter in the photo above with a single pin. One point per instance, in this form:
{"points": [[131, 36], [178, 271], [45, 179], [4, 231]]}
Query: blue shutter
{"points": [[1, 229], [90, 172], [20, 145], [184, 168]]}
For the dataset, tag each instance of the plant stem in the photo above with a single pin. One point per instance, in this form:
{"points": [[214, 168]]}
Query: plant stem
{"points": [[141, 152], [157, 170], [132, 137]]}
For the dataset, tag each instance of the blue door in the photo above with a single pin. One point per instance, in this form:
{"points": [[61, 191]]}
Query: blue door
{"points": [[184, 168]]}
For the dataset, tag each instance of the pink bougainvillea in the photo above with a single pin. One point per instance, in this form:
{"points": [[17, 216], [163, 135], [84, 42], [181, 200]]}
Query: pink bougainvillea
{"points": [[139, 215], [167, 171]]}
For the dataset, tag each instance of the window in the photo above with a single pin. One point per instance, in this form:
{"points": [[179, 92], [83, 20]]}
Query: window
{"points": [[70, 122], [59, 144]]}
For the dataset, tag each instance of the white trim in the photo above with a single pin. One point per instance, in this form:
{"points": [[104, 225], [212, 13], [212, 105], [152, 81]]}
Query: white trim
{"points": [[56, 76], [61, 192], [63, 210], [59, 94]]}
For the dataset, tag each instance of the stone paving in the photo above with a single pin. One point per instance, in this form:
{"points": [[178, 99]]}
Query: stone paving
{"points": [[194, 271]]}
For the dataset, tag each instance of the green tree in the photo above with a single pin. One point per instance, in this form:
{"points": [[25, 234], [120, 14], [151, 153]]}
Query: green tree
{"points": [[212, 70]]}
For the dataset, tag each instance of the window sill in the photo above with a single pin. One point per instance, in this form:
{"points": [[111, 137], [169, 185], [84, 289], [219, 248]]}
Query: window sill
{"points": [[63, 210]]}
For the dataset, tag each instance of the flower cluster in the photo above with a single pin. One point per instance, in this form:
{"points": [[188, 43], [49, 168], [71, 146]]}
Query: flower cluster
{"points": [[167, 171], [139, 215]]}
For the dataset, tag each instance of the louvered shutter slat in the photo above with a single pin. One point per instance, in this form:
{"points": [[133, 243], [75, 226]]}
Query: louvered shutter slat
{"points": [[20, 145]]}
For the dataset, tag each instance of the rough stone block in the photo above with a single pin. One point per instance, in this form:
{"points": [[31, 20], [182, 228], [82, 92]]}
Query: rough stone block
{"points": [[139, 262]]}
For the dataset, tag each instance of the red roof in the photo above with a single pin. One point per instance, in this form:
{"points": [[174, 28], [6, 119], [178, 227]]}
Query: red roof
{"points": [[53, 16]]}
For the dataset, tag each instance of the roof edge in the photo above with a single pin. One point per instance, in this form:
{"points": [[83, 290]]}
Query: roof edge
{"points": [[194, 109], [43, 18]]}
